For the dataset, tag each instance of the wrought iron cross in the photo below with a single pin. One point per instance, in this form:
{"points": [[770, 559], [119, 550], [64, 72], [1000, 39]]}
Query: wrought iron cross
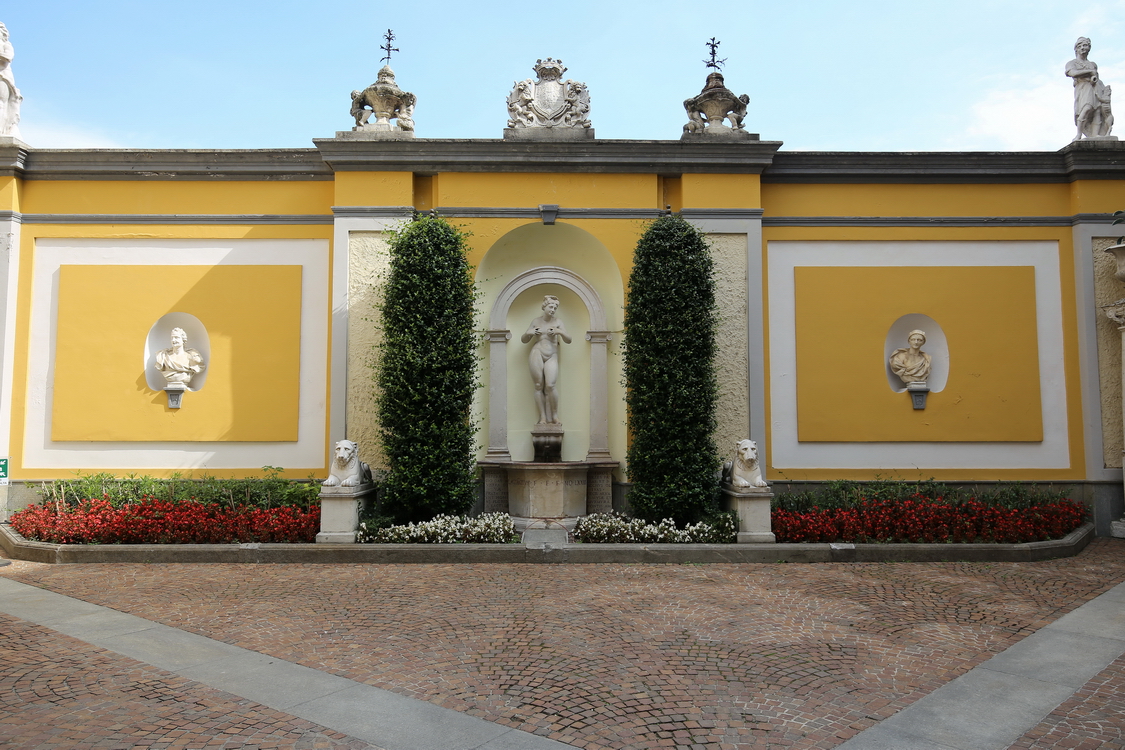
{"points": [[390, 37], [714, 62]]}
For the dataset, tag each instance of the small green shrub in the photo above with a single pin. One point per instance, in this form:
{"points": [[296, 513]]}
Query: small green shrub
{"points": [[427, 373], [671, 389], [270, 491], [844, 494]]}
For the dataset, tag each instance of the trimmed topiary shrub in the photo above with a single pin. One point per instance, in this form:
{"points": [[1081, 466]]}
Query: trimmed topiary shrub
{"points": [[427, 374], [672, 392]]}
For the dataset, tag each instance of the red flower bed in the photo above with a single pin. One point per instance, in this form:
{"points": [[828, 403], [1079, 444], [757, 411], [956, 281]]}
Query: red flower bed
{"points": [[153, 521], [922, 519]]}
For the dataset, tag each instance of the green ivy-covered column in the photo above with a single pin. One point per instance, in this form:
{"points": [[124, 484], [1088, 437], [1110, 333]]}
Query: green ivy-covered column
{"points": [[427, 373], [671, 394]]}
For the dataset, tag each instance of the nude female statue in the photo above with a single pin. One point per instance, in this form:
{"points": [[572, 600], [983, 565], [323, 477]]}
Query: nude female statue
{"points": [[544, 358], [912, 365]]}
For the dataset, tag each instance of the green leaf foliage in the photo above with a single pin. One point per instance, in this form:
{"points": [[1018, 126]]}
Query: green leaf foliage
{"points": [[427, 373], [670, 322]]}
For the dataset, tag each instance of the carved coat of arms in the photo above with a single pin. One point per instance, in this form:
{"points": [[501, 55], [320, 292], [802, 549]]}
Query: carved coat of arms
{"points": [[549, 101]]}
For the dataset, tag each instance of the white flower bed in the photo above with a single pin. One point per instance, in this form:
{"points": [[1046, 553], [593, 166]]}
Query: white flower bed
{"points": [[491, 528], [616, 528]]}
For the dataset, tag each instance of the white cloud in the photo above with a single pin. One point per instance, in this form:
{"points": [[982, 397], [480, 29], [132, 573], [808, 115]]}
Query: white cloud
{"points": [[61, 135], [1029, 115]]}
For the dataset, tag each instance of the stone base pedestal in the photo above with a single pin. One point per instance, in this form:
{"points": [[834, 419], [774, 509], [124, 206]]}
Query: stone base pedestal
{"points": [[753, 508], [720, 133], [534, 489], [175, 393], [375, 132], [535, 133], [1117, 528], [339, 512], [918, 392], [547, 440]]}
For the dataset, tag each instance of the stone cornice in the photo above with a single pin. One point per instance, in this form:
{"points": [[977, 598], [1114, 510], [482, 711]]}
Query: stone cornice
{"points": [[170, 164], [431, 156], [1077, 161]]}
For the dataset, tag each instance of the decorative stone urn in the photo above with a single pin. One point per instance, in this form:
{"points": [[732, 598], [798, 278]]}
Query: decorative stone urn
{"points": [[714, 104], [386, 101], [1118, 253]]}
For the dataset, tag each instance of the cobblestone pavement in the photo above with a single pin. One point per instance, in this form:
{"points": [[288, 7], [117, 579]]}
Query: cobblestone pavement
{"points": [[58, 692], [637, 656], [1092, 719]]}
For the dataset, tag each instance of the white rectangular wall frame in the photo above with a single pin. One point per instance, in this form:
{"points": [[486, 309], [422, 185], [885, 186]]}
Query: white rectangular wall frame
{"points": [[783, 256], [40, 452]]}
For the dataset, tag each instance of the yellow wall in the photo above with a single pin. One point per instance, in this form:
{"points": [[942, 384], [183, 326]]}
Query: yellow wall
{"points": [[530, 190], [843, 316], [176, 197], [915, 200], [374, 189], [252, 316]]}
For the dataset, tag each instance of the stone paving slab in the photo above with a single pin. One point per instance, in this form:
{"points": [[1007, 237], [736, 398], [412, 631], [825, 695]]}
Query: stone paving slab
{"points": [[638, 656]]}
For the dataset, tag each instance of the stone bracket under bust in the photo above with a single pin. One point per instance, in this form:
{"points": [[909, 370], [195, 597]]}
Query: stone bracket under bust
{"points": [[549, 108], [178, 365], [912, 366]]}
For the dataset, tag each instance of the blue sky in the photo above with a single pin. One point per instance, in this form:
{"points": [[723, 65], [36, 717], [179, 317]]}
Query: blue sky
{"points": [[858, 76]]}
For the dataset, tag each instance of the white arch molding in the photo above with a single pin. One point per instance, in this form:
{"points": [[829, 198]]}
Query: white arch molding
{"points": [[498, 337]]}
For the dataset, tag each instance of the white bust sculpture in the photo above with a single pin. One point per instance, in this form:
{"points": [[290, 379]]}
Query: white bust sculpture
{"points": [[1092, 112], [547, 330], [9, 95], [177, 363], [912, 365]]}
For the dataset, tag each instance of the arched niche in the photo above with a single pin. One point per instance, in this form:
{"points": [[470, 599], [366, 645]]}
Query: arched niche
{"points": [[499, 336], [160, 337], [936, 346]]}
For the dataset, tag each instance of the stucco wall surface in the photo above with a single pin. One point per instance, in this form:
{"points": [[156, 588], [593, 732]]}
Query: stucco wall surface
{"points": [[731, 363], [1107, 289], [368, 266]]}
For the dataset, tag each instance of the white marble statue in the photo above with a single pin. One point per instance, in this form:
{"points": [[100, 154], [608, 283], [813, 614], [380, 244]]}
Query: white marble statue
{"points": [[549, 101], [347, 470], [548, 331], [9, 95], [912, 365], [744, 472], [1093, 115], [177, 363]]}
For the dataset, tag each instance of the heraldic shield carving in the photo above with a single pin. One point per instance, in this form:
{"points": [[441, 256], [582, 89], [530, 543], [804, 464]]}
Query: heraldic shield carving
{"points": [[549, 101]]}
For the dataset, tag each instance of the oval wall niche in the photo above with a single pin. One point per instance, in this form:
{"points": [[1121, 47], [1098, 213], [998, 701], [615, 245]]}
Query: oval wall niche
{"points": [[936, 346], [160, 337]]}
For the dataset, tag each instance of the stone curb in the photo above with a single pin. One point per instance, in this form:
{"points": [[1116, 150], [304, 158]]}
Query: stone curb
{"points": [[16, 547]]}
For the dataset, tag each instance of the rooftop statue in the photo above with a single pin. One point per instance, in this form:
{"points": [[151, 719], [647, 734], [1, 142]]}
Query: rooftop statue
{"points": [[1092, 114], [386, 101], [549, 107], [9, 95], [715, 103]]}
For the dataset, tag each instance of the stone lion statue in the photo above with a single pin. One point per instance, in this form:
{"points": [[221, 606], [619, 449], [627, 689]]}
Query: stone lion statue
{"points": [[744, 472], [347, 470]]}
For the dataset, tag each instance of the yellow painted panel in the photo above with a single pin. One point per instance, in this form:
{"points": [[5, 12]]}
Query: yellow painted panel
{"points": [[988, 316], [252, 316], [175, 197], [1097, 196], [916, 200], [721, 191], [530, 190], [374, 189], [10, 189]]}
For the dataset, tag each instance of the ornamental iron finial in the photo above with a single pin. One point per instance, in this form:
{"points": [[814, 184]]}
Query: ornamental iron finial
{"points": [[390, 37], [714, 62]]}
